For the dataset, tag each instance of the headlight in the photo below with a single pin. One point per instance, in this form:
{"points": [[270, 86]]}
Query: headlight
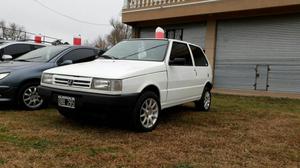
{"points": [[3, 75], [47, 78], [107, 85]]}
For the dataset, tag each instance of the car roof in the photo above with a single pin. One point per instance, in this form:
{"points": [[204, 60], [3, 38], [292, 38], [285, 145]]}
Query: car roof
{"points": [[165, 39], [7, 43], [74, 47]]}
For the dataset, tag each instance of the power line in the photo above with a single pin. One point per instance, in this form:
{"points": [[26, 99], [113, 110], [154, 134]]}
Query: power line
{"points": [[67, 16]]}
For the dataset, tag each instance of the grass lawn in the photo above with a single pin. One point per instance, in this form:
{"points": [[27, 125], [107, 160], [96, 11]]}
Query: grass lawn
{"points": [[238, 132]]}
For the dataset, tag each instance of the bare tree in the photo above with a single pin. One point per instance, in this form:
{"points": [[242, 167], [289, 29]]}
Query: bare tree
{"points": [[3, 29], [120, 31], [11, 31], [101, 43]]}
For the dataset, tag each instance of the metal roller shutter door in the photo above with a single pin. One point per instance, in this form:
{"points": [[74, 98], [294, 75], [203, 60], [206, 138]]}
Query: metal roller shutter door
{"points": [[259, 53], [193, 33]]}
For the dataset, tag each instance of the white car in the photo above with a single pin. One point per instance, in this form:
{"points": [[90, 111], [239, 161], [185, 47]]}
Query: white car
{"points": [[138, 77]]}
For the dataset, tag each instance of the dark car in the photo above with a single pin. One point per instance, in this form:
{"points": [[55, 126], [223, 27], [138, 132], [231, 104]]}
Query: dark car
{"points": [[19, 78], [15, 49]]}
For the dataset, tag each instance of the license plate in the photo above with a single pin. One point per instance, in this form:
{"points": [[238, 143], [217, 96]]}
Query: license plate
{"points": [[66, 101]]}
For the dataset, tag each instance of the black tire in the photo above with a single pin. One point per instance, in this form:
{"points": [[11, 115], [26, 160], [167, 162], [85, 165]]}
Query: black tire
{"points": [[142, 116], [24, 97], [204, 103]]}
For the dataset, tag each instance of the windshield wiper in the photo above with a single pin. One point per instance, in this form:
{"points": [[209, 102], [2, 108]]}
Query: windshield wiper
{"points": [[108, 57]]}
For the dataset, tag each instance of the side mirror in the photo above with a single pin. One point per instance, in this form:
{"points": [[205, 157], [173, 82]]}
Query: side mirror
{"points": [[66, 62], [7, 57], [177, 61], [204, 50]]}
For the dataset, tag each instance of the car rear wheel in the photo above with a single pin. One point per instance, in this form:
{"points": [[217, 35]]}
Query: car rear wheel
{"points": [[205, 102], [29, 97], [146, 112]]}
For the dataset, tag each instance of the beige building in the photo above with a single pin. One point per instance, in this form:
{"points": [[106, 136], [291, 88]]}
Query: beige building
{"points": [[253, 44]]}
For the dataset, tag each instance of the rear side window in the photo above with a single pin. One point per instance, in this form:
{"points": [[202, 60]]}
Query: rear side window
{"points": [[17, 50], [79, 55], [199, 56], [181, 50]]}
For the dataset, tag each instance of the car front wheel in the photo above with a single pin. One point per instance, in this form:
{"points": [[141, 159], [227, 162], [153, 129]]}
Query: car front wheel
{"points": [[146, 112], [29, 97]]}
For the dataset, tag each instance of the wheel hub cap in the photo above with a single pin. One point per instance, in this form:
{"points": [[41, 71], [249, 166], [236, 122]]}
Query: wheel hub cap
{"points": [[207, 100], [149, 113], [31, 98]]}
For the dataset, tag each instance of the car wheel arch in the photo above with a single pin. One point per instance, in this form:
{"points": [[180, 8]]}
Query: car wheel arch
{"points": [[152, 88], [24, 82], [209, 85]]}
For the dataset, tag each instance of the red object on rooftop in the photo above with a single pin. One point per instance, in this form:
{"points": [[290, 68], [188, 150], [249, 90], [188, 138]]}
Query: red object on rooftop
{"points": [[159, 33], [77, 41], [38, 39]]}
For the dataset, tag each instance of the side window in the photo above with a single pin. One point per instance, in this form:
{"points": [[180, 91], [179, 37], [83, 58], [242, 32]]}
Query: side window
{"points": [[17, 50], [79, 55], [199, 56], [180, 51]]}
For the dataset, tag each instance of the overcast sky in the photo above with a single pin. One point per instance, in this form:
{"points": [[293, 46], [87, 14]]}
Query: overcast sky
{"points": [[38, 19]]}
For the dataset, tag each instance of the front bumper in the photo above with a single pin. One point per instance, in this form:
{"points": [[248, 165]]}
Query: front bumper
{"points": [[84, 100], [7, 93]]}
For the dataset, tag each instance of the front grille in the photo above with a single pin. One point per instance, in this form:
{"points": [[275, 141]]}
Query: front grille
{"points": [[72, 81]]}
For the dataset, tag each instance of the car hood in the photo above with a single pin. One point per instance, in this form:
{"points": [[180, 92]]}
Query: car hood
{"points": [[16, 65], [110, 69]]}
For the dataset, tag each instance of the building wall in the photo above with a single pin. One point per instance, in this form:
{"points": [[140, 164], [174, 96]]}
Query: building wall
{"points": [[247, 30], [192, 32], [198, 8]]}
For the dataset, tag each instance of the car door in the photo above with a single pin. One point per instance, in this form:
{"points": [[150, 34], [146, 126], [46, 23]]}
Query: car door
{"points": [[181, 76], [201, 67], [79, 55]]}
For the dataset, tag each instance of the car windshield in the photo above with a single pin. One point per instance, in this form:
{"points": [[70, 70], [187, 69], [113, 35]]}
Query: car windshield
{"points": [[42, 55], [143, 50]]}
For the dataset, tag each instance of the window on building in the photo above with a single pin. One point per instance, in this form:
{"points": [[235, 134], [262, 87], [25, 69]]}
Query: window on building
{"points": [[199, 56], [174, 34]]}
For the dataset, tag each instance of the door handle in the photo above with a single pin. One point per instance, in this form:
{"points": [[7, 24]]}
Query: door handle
{"points": [[196, 72]]}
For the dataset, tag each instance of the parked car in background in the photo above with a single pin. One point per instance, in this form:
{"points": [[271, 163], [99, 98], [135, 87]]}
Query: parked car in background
{"points": [[15, 48], [136, 77], [20, 77]]}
